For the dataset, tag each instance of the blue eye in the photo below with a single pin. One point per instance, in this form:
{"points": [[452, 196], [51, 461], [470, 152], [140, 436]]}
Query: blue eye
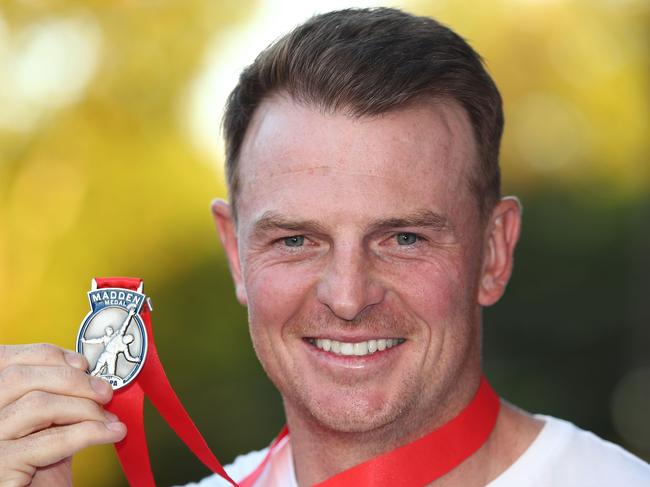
{"points": [[405, 238], [294, 241]]}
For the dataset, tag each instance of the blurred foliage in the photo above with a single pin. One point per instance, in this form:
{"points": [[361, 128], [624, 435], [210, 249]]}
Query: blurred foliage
{"points": [[99, 177]]}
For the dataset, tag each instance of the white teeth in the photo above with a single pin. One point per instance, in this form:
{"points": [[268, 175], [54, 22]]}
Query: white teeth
{"points": [[359, 348], [347, 348]]}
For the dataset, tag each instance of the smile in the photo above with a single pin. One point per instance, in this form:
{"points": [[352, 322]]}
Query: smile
{"points": [[360, 349]]}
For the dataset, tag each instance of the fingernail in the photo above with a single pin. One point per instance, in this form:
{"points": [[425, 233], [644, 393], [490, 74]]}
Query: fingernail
{"points": [[110, 416], [75, 360], [117, 426], [100, 386]]}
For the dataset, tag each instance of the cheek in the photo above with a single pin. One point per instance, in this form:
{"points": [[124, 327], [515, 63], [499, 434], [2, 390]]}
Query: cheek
{"points": [[275, 294], [438, 292]]}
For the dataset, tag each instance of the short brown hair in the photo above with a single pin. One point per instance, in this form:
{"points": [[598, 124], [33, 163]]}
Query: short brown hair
{"points": [[365, 62]]}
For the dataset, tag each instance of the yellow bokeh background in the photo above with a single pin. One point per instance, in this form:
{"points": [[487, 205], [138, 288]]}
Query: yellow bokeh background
{"points": [[101, 172]]}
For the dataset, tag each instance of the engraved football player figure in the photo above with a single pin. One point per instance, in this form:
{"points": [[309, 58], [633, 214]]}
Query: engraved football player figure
{"points": [[114, 344]]}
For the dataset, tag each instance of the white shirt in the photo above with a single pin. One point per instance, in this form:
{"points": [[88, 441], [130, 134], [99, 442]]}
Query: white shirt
{"points": [[562, 455]]}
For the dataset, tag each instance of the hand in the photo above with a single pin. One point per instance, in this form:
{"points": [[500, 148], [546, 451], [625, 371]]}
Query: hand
{"points": [[49, 409]]}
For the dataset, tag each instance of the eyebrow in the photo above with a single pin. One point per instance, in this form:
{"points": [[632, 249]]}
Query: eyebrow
{"points": [[420, 218], [271, 220]]}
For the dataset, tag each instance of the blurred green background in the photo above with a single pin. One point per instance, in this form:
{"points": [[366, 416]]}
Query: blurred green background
{"points": [[110, 155]]}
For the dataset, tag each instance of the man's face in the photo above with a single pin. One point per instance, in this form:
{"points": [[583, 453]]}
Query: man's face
{"points": [[355, 234]]}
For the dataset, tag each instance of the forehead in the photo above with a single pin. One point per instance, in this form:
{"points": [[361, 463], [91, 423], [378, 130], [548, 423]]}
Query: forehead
{"points": [[297, 158]]}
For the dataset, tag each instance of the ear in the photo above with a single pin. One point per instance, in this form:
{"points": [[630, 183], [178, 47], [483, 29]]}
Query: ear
{"points": [[226, 227], [502, 235]]}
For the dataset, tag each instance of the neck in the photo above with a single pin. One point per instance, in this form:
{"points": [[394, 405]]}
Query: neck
{"points": [[320, 452]]}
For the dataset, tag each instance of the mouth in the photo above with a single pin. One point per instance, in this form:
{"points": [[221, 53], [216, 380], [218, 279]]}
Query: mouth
{"points": [[358, 349]]}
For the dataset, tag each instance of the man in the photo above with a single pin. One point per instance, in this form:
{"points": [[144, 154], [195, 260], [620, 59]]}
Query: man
{"points": [[365, 233]]}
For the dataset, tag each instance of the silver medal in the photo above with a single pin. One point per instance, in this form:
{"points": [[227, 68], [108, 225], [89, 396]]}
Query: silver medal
{"points": [[112, 336]]}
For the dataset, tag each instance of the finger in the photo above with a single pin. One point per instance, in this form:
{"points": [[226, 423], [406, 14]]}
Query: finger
{"points": [[52, 445], [58, 474], [38, 410], [40, 354], [18, 380]]}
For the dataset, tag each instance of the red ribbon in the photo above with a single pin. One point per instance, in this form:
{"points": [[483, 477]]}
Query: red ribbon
{"points": [[414, 464], [430, 457], [127, 404]]}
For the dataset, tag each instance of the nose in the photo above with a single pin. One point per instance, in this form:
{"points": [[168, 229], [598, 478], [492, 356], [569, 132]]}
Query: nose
{"points": [[347, 285]]}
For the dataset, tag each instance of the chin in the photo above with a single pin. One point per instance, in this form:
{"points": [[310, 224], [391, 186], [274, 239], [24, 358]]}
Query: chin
{"points": [[352, 421], [351, 412]]}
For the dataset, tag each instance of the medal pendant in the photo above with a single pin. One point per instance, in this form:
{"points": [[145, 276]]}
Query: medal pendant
{"points": [[112, 336]]}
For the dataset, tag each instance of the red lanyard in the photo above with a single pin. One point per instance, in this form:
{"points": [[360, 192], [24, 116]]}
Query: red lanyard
{"points": [[430, 457], [414, 464], [127, 404], [422, 461]]}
